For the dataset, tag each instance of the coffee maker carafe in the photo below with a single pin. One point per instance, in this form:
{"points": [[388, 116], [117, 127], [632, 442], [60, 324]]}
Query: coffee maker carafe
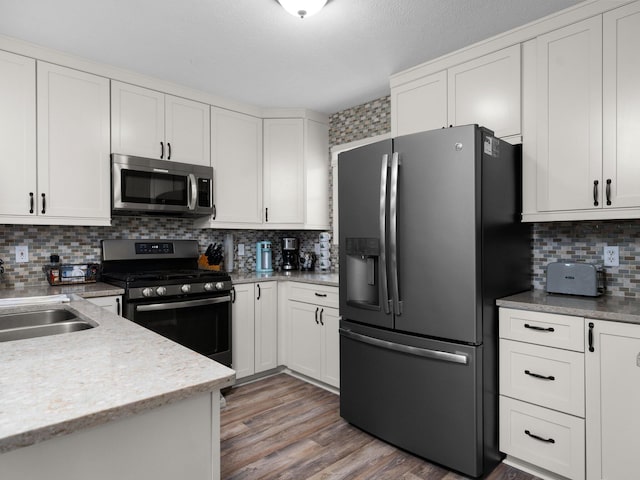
{"points": [[289, 253], [263, 257]]}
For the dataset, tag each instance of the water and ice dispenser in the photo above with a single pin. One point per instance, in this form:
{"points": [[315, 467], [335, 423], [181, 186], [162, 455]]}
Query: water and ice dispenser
{"points": [[362, 272]]}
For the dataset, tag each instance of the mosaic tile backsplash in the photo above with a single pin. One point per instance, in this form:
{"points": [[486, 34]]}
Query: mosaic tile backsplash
{"points": [[82, 244]]}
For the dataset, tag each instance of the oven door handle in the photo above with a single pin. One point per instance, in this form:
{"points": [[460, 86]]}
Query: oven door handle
{"points": [[189, 303]]}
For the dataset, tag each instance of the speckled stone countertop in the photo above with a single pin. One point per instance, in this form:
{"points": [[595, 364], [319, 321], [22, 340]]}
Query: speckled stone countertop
{"points": [[85, 290], [55, 385], [617, 309], [318, 278]]}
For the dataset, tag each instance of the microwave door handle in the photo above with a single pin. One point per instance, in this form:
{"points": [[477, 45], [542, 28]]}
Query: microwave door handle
{"points": [[192, 200], [383, 234]]}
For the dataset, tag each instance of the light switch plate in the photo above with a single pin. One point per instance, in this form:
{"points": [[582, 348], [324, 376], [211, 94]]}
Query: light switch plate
{"points": [[22, 254], [240, 249]]}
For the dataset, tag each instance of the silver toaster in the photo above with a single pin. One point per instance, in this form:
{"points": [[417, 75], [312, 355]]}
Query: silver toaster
{"points": [[575, 278]]}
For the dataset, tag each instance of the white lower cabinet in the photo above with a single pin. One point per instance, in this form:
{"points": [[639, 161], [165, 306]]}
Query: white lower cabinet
{"points": [[113, 303], [313, 332], [542, 400], [254, 332], [612, 399]]}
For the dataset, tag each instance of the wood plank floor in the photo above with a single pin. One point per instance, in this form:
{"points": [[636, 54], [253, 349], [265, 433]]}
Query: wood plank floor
{"points": [[283, 428]]}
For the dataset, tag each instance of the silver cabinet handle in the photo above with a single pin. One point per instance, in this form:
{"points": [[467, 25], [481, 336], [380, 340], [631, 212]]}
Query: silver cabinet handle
{"points": [[383, 234], [420, 352]]}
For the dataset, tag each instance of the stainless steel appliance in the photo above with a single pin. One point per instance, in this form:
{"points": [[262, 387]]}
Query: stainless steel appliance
{"points": [[429, 238], [165, 292], [289, 253], [264, 257], [150, 186]]}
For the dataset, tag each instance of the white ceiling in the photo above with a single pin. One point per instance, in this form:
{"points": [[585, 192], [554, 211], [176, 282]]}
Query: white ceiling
{"points": [[254, 52]]}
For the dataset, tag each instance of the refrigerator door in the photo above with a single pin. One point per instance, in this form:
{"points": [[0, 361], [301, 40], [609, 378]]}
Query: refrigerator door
{"points": [[419, 394], [436, 216], [363, 193]]}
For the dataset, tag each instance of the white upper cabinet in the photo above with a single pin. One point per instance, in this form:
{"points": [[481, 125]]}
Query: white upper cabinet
{"points": [[569, 120], [316, 173], [486, 91], [69, 183], [236, 158], [419, 105], [621, 102], [284, 171], [581, 116], [17, 134], [147, 123], [73, 144]]}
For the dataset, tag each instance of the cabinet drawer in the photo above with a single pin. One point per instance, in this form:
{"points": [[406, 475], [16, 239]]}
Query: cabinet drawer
{"points": [[550, 329], [549, 377], [317, 294], [545, 438]]}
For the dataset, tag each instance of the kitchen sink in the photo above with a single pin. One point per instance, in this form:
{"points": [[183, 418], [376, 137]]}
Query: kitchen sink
{"points": [[40, 323]]}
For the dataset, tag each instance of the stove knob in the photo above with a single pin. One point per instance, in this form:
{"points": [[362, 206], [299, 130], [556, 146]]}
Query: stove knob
{"points": [[186, 288], [147, 292], [219, 286], [209, 287], [161, 291]]}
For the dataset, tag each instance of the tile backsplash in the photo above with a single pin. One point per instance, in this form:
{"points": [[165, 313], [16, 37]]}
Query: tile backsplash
{"points": [[584, 242], [82, 244]]}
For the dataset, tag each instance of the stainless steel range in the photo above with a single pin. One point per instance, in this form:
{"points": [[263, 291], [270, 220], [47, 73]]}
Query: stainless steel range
{"points": [[167, 293]]}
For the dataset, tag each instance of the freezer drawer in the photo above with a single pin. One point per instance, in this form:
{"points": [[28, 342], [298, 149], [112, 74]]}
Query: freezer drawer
{"points": [[422, 395]]}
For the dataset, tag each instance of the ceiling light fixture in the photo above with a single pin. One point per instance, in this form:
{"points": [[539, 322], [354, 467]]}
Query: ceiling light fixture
{"points": [[302, 8]]}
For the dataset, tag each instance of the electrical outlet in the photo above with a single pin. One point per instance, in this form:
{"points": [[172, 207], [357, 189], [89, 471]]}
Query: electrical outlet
{"points": [[241, 249], [316, 248], [611, 256], [22, 254]]}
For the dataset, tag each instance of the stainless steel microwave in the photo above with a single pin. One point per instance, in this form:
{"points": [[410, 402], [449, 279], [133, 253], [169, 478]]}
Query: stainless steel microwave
{"points": [[149, 186]]}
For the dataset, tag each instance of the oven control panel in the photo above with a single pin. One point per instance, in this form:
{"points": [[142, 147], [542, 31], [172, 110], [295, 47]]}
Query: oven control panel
{"points": [[180, 290]]}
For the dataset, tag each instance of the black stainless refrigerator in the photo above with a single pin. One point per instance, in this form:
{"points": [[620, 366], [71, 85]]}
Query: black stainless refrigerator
{"points": [[430, 236]]}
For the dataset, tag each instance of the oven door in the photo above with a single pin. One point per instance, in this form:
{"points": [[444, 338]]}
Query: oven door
{"points": [[203, 324]]}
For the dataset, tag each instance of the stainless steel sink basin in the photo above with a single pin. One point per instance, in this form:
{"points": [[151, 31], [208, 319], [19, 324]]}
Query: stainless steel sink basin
{"points": [[41, 323]]}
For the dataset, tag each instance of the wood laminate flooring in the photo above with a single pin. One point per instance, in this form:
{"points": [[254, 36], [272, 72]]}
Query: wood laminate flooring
{"points": [[281, 427]]}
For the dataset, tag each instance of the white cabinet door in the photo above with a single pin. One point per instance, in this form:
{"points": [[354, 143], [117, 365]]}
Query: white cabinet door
{"points": [[266, 326], [243, 330], [621, 141], [330, 341], [236, 158], [17, 133], [284, 171], [187, 131], [316, 168], [137, 121], [486, 91], [73, 143], [419, 105], [612, 397], [569, 117], [305, 352], [113, 303]]}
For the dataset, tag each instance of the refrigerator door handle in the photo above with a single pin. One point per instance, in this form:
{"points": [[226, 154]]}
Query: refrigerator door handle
{"points": [[460, 358], [383, 234], [393, 234]]}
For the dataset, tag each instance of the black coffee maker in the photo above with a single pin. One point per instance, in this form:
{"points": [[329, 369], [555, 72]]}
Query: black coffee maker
{"points": [[289, 253]]}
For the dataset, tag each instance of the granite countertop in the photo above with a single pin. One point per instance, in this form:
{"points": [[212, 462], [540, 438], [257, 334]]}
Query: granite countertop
{"points": [[85, 290], [318, 278], [617, 309], [55, 385]]}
